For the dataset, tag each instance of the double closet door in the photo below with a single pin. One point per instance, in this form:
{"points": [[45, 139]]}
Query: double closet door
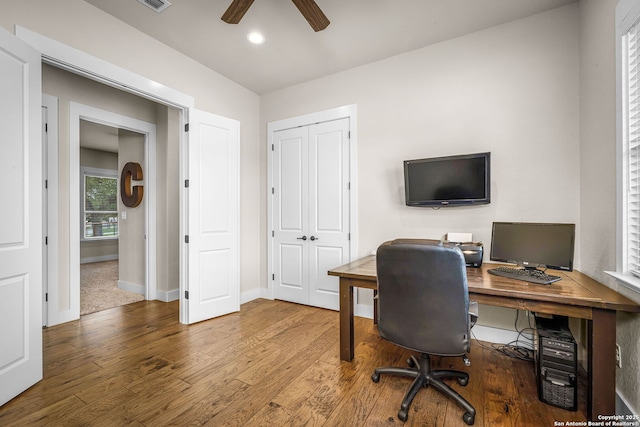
{"points": [[310, 211]]}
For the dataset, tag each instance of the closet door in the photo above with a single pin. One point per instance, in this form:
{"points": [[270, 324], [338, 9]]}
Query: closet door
{"points": [[328, 209], [310, 211], [291, 213]]}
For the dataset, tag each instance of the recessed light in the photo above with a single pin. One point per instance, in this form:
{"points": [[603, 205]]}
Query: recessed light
{"points": [[255, 38]]}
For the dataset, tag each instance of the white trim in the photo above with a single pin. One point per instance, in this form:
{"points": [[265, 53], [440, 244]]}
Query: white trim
{"points": [[363, 310], [168, 296], [623, 407], [78, 62], [626, 14], [249, 295], [347, 111], [497, 335], [101, 258], [626, 279], [131, 287], [53, 247]]}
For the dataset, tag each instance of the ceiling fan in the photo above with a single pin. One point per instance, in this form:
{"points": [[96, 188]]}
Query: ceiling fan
{"points": [[308, 8]]}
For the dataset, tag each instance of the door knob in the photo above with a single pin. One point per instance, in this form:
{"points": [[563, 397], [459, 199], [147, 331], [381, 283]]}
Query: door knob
{"points": [[302, 238], [312, 238]]}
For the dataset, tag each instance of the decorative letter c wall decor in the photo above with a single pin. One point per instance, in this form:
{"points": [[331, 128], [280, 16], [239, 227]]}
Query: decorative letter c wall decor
{"points": [[131, 197]]}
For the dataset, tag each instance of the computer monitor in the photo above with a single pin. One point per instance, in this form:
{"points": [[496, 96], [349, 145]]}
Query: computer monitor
{"points": [[533, 244]]}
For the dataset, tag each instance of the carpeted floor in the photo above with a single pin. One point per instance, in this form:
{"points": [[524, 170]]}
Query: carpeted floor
{"points": [[99, 288]]}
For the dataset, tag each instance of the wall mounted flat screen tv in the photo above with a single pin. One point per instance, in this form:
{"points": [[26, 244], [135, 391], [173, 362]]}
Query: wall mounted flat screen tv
{"points": [[448, 181]]}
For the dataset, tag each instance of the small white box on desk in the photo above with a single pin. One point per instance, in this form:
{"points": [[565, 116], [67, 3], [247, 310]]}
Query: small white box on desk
{"points": [[460, 237]]}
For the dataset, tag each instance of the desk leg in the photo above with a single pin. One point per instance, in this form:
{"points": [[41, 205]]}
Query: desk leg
{"points": [[346, 319], [601, 390]]}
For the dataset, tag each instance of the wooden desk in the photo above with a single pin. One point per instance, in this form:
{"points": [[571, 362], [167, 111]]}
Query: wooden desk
{"points": [[576, 295]]}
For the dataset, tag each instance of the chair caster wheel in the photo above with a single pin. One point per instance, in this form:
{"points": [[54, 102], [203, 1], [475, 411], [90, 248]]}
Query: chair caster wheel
{"points": [[463, 381], [468, 418], [375, 377], [403, 415]]}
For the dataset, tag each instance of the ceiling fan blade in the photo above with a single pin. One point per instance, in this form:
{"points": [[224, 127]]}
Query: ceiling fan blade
{"points": [[312, 14], [236, 11]]}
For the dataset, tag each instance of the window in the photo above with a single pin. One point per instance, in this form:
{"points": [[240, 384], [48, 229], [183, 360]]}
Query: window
{"points": [[628, 60], [100, 204]]}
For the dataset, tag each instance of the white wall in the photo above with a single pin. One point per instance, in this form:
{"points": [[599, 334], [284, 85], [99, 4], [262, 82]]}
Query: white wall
{"points": [[131, 243], [510, 89], [84, 27], [598, 177]]}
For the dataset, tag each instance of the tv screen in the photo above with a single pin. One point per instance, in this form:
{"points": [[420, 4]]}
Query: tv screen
{"points": [[533, 244], [448, 181]]}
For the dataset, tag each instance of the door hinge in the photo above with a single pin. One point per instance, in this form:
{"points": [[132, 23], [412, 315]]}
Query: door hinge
{"points": [[186, 238], [349, 134], [273, 190], [186, 294], [349, 236], [46, 183], [186, 127], [273, 277], [46, 127], [46, 297], [348, 186], [46, 240], [186, 183], [273, 147], [273, 233]]}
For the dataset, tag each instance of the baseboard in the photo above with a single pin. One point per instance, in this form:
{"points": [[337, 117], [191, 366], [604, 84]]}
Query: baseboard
{"points": [[250, 295], [101, 258], [363, 310], [498, 335], [623, 407], [168, 296], [131, 287]]}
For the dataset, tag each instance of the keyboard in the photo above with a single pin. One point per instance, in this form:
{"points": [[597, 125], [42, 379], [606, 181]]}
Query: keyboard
{"points": [[529, 275]]}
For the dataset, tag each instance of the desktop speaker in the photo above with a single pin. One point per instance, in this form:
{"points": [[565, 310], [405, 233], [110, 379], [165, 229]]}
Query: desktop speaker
{"points": [[556, 359], [472, 254]]}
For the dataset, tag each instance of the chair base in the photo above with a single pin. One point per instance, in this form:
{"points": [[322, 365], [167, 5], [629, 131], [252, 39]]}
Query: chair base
{"points": [[425, 377]]}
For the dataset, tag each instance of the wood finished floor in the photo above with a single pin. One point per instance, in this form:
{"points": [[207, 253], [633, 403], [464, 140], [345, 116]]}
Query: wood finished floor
{"points": [[272, 364]]}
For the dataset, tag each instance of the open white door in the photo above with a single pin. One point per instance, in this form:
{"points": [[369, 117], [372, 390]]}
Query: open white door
{"points": [[213, 279], [21, 225]]}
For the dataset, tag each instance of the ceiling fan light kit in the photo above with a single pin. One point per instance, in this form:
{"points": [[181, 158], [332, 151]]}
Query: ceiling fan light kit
{"points": [[308, 8]]}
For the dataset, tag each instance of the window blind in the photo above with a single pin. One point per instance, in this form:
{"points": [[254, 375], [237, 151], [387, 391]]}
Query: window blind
{"points": [[632, 146]]}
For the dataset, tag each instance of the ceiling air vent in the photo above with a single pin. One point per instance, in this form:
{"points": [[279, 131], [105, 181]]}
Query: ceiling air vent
{"points": [[156, 5]]}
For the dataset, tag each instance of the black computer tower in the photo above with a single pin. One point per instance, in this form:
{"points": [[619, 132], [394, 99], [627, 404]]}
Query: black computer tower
{"points": [[556, 360]]}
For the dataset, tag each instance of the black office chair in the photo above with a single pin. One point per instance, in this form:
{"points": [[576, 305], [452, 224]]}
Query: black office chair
{"points": [[423, 305]]}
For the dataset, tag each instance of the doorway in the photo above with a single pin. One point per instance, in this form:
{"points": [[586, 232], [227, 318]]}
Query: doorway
{"points": [[112, 235]]}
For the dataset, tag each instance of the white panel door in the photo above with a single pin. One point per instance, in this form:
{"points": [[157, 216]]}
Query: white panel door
{"points": [[21, 242], [290, 204], [310, 211], [329, 209], [213, 279]]}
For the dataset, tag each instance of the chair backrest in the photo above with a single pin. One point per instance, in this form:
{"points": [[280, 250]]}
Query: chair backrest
{"points": [[423, 300]]}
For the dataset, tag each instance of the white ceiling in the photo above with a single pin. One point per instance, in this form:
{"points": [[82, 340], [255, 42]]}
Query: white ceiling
{"points": [[361, 31], [98, 137]]}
